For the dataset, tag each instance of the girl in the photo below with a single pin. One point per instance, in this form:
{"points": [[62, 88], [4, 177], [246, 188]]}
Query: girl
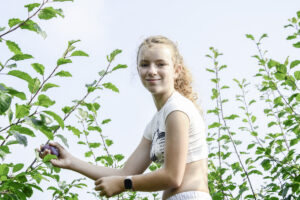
{"points": [[175, 137]]}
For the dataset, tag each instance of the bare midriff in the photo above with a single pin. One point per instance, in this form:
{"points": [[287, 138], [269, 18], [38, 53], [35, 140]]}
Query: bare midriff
{"points": [[194, 179]]}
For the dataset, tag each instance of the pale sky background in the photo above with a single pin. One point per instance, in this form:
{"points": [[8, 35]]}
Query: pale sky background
{"points": [[103, 26]]}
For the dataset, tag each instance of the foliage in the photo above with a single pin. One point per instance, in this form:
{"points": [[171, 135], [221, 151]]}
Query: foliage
{"points": [[32, 114], [271, 157]]}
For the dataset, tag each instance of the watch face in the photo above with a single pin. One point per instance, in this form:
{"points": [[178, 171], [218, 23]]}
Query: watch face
{"points": [[128, 184]]}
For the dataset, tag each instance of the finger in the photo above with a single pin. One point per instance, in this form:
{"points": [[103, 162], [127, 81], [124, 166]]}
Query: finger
{"points": [[99, 181], [102, 193], [45, 152], [57, 145], [99, 187], [54, 162]]}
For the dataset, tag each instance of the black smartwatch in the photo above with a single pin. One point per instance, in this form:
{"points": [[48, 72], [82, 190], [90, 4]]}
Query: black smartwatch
{"points": [[128, 183]]}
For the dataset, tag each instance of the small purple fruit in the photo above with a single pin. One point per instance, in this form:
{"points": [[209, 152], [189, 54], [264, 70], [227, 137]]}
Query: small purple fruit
{"points": [[53, 150]]}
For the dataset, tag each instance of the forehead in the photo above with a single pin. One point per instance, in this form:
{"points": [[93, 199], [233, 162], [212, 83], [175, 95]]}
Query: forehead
{"points": [[155, 52]]}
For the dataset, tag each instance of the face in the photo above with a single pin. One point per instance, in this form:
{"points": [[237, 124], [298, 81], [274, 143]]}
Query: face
{"points": [[156, 68]]}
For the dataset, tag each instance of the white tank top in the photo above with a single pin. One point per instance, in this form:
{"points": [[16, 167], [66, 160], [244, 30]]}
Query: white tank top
{"points": [[156, 129]]}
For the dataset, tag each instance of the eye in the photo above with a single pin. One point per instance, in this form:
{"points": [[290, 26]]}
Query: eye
{"points": [[161, 64], [143, 65]]}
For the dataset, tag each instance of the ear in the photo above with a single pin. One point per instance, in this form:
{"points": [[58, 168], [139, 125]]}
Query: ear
{"points": [[178, 70]]}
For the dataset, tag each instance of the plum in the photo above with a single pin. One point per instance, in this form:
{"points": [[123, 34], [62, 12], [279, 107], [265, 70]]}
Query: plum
{"points": [[53, 150]]}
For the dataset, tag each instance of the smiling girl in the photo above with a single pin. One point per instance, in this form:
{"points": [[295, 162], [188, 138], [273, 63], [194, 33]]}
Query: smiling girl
{"points": [[175, 137]]}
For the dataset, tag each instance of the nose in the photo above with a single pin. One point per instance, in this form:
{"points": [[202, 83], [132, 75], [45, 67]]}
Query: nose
{"points": [[152, 69]]}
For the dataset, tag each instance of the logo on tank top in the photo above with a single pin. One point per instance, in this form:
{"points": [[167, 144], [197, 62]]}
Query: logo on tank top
{"points": [[158, 146]]}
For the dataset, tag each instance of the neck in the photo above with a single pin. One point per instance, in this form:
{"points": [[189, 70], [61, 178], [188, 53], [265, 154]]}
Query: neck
{"points": [[161, 99]]}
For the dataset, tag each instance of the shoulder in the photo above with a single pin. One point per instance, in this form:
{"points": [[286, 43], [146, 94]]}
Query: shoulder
{"points": [[180, 103]]}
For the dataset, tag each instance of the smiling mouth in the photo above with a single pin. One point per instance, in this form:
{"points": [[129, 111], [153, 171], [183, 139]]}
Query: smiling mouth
{"points": [[153, 80]]}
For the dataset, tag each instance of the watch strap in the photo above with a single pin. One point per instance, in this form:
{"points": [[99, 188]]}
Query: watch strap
{"points": [[128, 183]]}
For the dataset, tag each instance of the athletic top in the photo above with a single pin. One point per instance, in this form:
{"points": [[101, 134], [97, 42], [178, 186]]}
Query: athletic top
{"points": [[155, 130]]}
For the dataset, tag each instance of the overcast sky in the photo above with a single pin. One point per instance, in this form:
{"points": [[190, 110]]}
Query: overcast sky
{"points": [[104, 26]]}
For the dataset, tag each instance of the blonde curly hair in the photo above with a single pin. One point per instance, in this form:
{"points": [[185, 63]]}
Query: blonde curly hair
{"points": [[183, 83]]}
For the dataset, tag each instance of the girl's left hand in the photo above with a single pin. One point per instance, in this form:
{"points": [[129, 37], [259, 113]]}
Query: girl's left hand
{"points": [[110, 185]]}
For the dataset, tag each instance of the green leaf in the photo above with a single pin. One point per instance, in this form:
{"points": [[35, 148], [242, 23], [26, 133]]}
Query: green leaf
{"points": [[39, 68], [13, 47], [66, 109], [251, 102], [106, 121], [72, 42], [14, 65], [253, 119], [79, 53], [291, 37], [32, 26], [279, 76], [255, 171], [13, 92], [298, 97], [2, 29], [31, 6], [48, 13], [119, 67], [4, 169], [250, 146], [231, 117], [19, 57], [48, 86], [18, 167], [254, 133], [263, 36], [281, 68], [272, 63], [250, 36], [88, 154], [210, 70], [20, 138], [293, 142], [297, 75], [222, 67], [266, 164], [112, 56], [213, 125], [14, 21], [22, 111], [47, 132], [27, 191], [63, 74], [111, 86], [5, 101], [102, 73], [95, 128], [21, 75], [94, 145], [44, 101], [57, 118], [63, 61], [297, 45], [49, 157], [108, 142], [294, 63], [34, 85], [22, 130], [118, 157], [74, 130], [63, 139]]}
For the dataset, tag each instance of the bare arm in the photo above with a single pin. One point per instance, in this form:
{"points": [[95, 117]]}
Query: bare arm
{"points": [[177, 125], [137, 163]]}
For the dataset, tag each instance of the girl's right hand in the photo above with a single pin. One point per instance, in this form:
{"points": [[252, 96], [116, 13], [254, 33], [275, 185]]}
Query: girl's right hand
{"points": [[63, 161]]}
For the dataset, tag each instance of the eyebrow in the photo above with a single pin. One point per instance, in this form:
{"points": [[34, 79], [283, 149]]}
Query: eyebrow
{"points": [[159, 60]]}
